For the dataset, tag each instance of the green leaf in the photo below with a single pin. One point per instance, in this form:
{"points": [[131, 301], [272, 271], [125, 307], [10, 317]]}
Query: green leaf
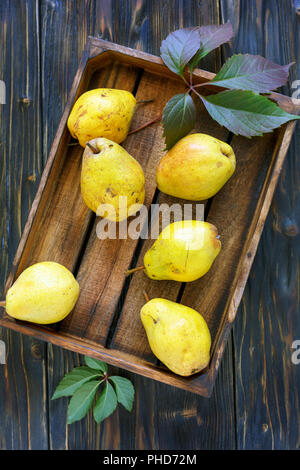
{"points": [[178, 118], [81, 401], [74, 380], [211, 37], [124, 391], [246, 113], [95, 364], [106, 403], [251, 72], [179, 47]]}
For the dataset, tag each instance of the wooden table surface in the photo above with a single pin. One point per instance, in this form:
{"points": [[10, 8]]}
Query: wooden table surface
{"points": [[256, 401]]}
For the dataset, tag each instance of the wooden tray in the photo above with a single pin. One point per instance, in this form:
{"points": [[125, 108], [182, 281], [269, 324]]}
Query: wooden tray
{"points": [[105, 323]]}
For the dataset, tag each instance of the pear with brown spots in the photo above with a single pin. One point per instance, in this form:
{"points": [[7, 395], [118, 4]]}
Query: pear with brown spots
{"points": [[102, 112], [112, 181]]}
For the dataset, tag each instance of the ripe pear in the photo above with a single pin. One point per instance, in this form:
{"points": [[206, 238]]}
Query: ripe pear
{"points": [[184, 251], [102, 112], [112, 181], [178, 335], [44, 293], [196, 167]]}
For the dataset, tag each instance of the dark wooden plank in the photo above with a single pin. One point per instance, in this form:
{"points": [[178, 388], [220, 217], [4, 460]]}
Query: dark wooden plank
{"points": [[184, 421], [23, 392], [289, 229], [161, 18], [163, 417], [63, 39], [267, 382], [149, 418], [66, 27], [143, 25], [23, 405]]}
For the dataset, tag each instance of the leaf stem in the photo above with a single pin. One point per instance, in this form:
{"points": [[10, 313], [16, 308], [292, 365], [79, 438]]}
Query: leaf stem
{"points": [[191, 78], [143, 126], [202, 84], [185, 81], [195, 91], [146, 296], [2, 303]]}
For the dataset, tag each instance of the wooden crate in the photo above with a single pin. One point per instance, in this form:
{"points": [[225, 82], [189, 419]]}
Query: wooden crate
{"points": [[105, 322]]}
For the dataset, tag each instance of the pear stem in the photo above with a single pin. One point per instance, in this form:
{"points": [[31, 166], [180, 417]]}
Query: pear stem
{"points": [[133, 270], [157, 118], [146, 296], [93, 149], [2, 303], [145, 101]]}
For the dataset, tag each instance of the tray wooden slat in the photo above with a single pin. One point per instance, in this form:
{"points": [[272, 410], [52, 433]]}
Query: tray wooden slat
{"points": [[232, 211], [129, 334], [60, 225], [103, 267]]}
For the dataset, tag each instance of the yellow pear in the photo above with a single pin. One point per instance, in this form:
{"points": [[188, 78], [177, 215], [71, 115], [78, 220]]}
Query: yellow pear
{"points": [[196, 167], [44, 293], [178, 335], [102, 112], [184, 251], [112, 181]]}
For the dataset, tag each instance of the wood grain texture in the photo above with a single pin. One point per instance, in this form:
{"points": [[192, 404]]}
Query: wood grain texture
{"points": [[214, 429], [129, 334], [23, 404], [63, 39], [61, 212], [149, 419], [142, 25], [267, 382], [94, 322], [231, 211], [104, 263], [192, 422], [65, 28], [164, 417]]}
